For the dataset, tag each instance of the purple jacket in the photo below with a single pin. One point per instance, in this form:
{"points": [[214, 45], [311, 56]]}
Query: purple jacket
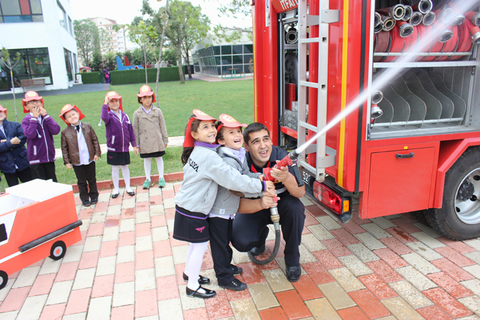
{"points": [[119, 134], [40, 148]]}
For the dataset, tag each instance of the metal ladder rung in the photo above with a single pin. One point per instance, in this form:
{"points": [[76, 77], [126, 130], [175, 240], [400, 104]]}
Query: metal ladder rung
{"points": [[309, 40], [308, 126], [309, 84]]}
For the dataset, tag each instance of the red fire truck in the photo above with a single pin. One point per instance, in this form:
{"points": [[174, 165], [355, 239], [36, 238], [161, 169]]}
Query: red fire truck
{"points": [[415, 150]]}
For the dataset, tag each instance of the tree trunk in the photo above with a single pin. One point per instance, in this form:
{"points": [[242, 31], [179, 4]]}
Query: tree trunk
{"points": [[145, 60], [188, 65], [180, 67]]}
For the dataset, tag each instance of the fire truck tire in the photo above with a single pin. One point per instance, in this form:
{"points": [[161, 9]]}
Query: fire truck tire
{"points": [[3, 279], [459, 217], [58, 250]]}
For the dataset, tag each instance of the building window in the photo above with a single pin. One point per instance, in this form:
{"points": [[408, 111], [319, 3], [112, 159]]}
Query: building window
{"points": [[62, 16], [34, 64], [12, 11], [68, 64]]}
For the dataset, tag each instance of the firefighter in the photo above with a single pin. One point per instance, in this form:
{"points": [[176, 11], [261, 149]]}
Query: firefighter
{"points": [[250, 231]]}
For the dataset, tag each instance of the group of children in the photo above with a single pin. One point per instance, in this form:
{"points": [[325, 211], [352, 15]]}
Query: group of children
{"points": [[205, 205], [79, 143]]}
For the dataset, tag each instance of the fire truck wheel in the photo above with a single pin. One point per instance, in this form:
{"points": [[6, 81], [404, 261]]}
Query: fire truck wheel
{"points": [[459, 217], [58, 250], [3, 279]]}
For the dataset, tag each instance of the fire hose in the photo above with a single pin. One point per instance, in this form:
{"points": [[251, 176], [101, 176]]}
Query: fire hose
{"points": [[289, 160]]}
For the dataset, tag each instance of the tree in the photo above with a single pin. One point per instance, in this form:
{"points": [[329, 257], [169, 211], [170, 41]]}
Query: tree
{"points": [[235, 7], [110, 60], [186, 27], [86, 35], [170, 55], [97, 61], [141, 34], [7, 62]]}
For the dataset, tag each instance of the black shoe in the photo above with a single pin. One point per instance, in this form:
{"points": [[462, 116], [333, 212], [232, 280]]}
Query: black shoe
{"points": [[235, 285], [93, 200], [256, 251], [86, 203], [235, 269], [203, 293], [201, 279], [131, 193], [115, 195], [293, 273]]}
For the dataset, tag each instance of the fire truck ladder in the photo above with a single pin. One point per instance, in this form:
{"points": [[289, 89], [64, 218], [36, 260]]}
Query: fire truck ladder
{"points": [[325, 156]]}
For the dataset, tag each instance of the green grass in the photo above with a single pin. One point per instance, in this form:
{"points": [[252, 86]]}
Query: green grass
{"points": [[176, 101]]}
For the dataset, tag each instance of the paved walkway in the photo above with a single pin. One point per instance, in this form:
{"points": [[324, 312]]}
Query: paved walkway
{"points": [[129, 267]]}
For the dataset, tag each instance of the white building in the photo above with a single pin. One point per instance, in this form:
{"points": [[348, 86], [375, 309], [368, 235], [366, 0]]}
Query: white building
{"points": [[115, 39], [42, 31]]}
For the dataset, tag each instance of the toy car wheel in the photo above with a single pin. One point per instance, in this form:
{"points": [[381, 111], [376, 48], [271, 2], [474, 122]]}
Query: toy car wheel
{"points": [[3, 279], [58, 250]]}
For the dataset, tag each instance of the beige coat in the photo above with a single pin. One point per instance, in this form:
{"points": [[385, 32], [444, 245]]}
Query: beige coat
{"points": [[150, 130]]}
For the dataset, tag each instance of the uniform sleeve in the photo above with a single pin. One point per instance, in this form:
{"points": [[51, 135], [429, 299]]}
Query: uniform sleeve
{"points": [[235, 164], [104, 114], [51, 124], [132, 134], [64, 143], [163, 127], [96, 144], [20, 134], [29, 126]]}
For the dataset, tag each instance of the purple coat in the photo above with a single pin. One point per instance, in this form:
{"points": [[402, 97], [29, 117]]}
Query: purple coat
{"points": [[119, 133], [40, 148]]}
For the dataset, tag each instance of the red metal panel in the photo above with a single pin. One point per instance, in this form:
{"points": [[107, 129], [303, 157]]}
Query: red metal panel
{"points": [[284, 5], [25, 7]]}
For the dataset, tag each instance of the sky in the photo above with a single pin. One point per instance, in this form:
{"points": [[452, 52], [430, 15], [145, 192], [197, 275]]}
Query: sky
{"points": [[124, 13]]}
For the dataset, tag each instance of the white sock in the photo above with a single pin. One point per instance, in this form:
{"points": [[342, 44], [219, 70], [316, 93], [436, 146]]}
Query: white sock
{"points": [[147, 164], [126, 177], [194, 263], [116, 178], [159, 167]]}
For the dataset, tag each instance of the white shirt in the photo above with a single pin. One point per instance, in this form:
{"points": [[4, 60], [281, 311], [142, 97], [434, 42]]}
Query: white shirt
{"points": [[83, 153]]}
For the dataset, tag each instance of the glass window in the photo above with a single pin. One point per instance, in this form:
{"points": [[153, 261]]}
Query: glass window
{"points": [[216, 49], [68, 64], [237, 59], [36, 6], [226, 50], [226, 59], [61, 16], [237, 49], [10, 7], [37, 18], [12, 11], [248, 48], [247, 58]]}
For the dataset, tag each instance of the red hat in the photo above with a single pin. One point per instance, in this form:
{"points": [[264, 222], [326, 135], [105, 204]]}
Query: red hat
{"points": [[146, 91], [229, 122], [69, 107], [114, 95], [197, 114], [29, 96], [4, 110]]}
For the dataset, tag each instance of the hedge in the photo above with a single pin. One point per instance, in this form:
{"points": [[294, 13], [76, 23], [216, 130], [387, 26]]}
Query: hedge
{"points": [[138, 75], [90, 77]]}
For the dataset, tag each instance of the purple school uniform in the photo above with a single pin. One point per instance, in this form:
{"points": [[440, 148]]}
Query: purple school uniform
{"points": [[40, 147], [119, 133]]}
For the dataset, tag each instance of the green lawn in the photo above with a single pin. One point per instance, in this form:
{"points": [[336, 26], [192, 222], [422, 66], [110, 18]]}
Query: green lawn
{"points": [[176, 101]]}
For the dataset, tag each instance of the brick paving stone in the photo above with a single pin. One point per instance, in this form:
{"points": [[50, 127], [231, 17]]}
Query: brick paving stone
{"points": [[312, 243], [219, 307], [123, 313], [356, 218], [352, 313], [244, 309], [306, 255], [277, 280], [383, 223], [405, 224], [99, 308], [384, 271], [106, 265], [196, 314], [108, 249], [472, 285], [146, 303], [26, 277], [448, 304], [144, 260], [59, 293], [167, 288], [42, 284], [400, 235], [89, 260], [53, 312], [317, 272], [433, 313], [126, 254], [391, 258], [273, 314], [362, 252], [145, 279], [420, 281], [370, 241], [423, 250], [84, 279], [170, 309], [292, 304], [472, 303], [375, 230], [237, 295], [474, 244], [92, 243], [329, 223], [50, 266], [159, 234], [78, 301], [320, 232], [454, 256], [103, 286], [420, 263], [315, 210], [322, 309], [344, 236], [452, 270], [337, 297], [458, 246], [474, 256], [401, 309], [473, 270], [126, 238], [336, 247], [369, 304], [353, 227], [15, 299], [411, 294], [123, 294], [307, 288], [346, 279], [451, 286], [143, 243], [357, 267], [376, 285], [251, 274], [327, 259]]}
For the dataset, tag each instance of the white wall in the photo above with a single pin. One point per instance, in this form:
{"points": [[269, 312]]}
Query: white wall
{"points": [[48, 33]]}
